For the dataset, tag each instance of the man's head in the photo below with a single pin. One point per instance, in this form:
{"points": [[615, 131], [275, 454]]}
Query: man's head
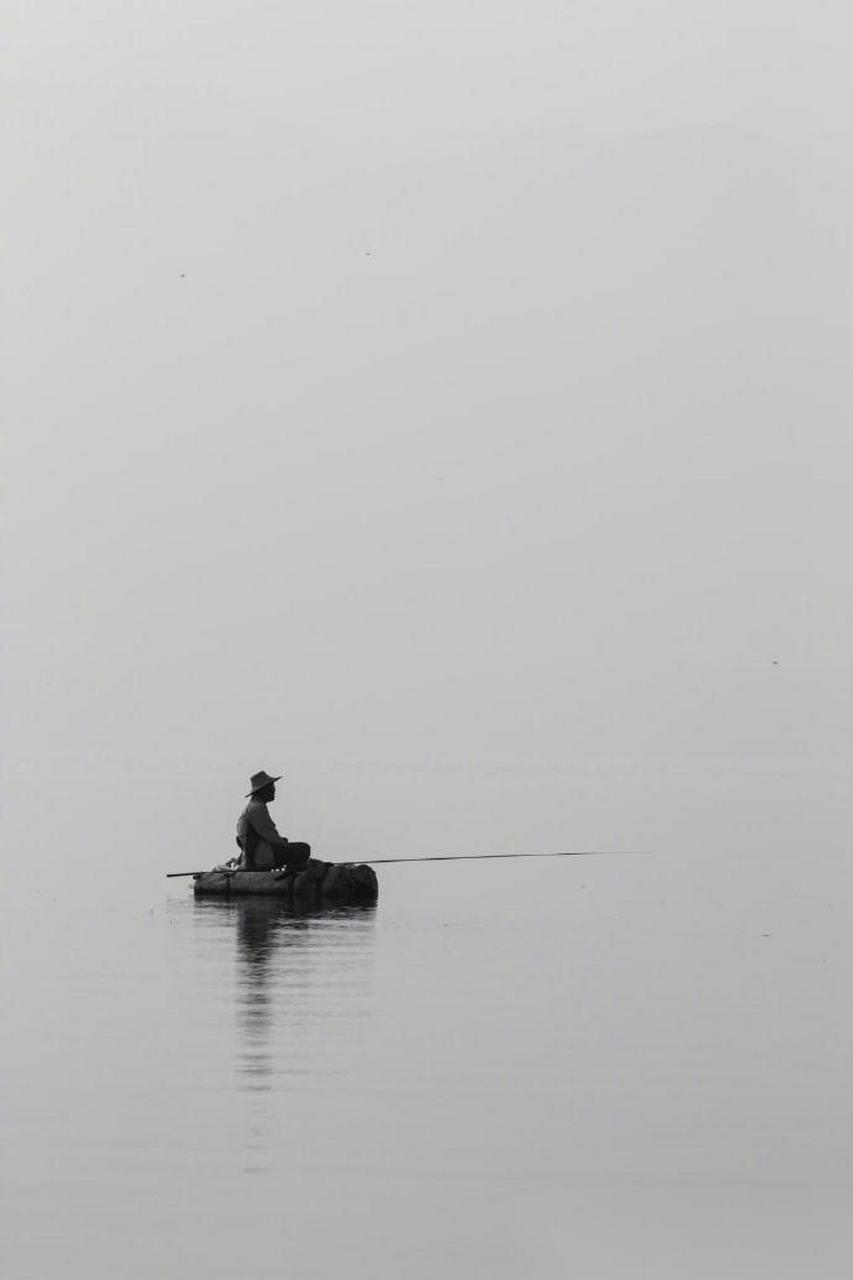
{"points": [[263, 786]]}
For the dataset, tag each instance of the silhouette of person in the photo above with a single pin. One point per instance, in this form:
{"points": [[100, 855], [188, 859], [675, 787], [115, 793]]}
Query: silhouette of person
{"points": [[261, 846]]}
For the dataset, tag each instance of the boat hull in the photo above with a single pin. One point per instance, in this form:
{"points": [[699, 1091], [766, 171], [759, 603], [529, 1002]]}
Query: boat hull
{"points": [[319, 884]]}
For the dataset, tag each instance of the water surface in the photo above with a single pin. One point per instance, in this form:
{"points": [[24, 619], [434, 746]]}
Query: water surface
{"points": [[603, 1067]]}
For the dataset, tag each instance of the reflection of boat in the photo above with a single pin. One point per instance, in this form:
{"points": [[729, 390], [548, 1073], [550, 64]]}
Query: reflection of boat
{"points": [[302, 992], [327, 883]]}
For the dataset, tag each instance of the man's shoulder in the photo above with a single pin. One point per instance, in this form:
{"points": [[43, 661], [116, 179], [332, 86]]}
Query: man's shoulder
{"points": [[253, 808], [256, 811]]}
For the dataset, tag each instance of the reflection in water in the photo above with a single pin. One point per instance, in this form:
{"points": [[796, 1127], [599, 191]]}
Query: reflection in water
{"points": [[303, 987]]}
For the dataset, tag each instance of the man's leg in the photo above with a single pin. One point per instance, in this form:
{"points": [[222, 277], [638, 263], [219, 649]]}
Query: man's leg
{"points": [[297, 855], [293, 856]]}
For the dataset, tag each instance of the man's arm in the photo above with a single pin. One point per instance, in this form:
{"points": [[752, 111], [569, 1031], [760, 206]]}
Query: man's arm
{"points": [[263, 825]]}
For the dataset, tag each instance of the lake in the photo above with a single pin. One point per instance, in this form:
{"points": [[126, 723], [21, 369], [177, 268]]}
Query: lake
{"points": [[602, 1067]]}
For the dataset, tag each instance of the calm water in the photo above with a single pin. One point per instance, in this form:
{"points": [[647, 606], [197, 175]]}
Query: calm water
{"points": [[599, 1067]]}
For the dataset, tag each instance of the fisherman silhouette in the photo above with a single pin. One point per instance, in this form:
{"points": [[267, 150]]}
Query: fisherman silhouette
{"points": [[261, 846]]}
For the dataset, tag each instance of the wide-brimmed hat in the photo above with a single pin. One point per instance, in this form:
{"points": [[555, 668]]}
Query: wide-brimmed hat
{"points": [[261, 780]]}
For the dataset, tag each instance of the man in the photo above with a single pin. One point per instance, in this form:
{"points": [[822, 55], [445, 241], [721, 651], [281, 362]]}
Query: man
{"points": [[262, 847]]}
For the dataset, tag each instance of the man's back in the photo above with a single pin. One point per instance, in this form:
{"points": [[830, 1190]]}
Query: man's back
{"points": [[258, 836]]}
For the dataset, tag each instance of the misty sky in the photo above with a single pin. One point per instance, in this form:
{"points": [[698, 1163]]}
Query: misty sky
{"points": [[440, 387]]}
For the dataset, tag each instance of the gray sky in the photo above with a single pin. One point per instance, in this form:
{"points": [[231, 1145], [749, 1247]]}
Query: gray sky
{"points": [[427, 387], [407, 72]]}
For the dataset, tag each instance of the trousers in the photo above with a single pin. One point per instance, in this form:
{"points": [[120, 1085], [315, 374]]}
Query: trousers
{"points": [[294, 855], [262, 856]]}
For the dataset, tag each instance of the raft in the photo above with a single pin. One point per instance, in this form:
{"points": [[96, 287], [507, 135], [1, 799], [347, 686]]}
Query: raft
{"points": [[319, 884]]}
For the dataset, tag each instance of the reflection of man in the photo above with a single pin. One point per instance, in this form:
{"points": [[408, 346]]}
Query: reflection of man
{"points": [[262, 847]]}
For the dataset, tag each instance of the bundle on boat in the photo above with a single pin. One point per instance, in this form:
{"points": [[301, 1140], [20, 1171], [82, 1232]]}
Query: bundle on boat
{"points": [[320, 883]]}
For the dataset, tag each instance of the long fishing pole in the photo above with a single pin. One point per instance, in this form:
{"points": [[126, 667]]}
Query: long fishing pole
{"points": [[176, 875], [442, 857], [481, 857]]}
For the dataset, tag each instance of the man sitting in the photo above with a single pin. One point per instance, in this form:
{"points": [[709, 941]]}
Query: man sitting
{"points": [[262, 848]]}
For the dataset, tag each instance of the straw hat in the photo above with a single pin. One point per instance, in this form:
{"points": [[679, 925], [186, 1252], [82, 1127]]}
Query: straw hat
{"points": [[261, 780]]}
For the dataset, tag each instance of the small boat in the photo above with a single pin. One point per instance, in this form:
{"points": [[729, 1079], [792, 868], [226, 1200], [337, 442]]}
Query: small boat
{"points": [[320, 884]]}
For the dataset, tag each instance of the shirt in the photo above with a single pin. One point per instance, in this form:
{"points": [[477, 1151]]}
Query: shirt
{"points": [[258, 836]]}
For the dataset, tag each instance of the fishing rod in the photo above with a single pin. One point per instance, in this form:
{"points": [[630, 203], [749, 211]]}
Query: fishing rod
{"points": [[224, 871], [441, 857], [481, 857]]}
